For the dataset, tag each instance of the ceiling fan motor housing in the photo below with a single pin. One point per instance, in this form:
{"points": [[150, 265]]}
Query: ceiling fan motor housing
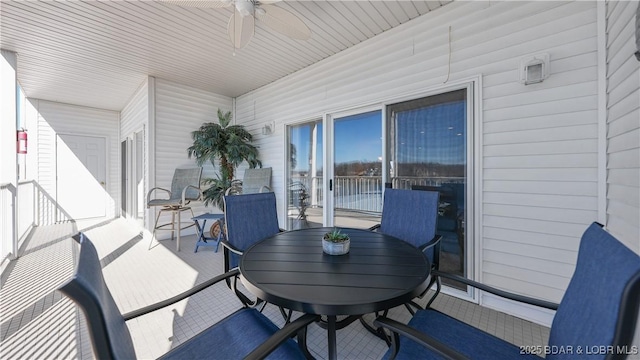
{"points": [[244, 7]]}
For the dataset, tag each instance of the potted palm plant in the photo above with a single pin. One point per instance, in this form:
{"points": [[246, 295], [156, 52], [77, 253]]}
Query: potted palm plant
{"points": [[336, 242], [228, 145]]}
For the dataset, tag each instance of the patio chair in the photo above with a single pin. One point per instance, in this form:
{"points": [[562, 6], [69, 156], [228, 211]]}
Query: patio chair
{"points": [[597, 315], [249, 218], [299, 198], [413, 216], [245, 332], [253, 181], [185, 187]]}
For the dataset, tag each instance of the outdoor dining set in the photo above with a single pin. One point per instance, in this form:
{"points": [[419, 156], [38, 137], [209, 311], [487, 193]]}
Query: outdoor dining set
{"points": [[387, 266]]}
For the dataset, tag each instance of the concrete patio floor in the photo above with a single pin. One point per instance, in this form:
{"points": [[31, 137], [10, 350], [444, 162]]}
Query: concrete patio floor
{"points": [[38, 322]]}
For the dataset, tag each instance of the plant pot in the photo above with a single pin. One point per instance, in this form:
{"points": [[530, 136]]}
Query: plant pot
{"points": [[335, 248]]}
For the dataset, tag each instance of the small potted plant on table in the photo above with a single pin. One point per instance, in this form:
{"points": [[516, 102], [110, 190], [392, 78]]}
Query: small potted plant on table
{"points": [[335, 242]]}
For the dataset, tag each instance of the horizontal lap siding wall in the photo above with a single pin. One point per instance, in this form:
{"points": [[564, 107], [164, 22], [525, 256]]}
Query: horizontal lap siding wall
{"points": [[181, 109], [539, 142], [57, 118], [623, 132], [135, 114]]}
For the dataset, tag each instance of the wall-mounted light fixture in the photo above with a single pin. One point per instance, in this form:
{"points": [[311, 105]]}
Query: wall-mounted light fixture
{"points": [[534, 69], [21, 145], [269, 128]]}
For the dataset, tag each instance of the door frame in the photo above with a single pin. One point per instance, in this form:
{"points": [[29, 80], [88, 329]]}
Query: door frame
{"points": [[131, 209]]}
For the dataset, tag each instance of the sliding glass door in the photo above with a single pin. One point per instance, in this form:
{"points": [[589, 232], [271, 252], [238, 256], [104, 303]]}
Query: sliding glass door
{"points": [[339, 167], [356, 182], [427, 150], [304, 189]]}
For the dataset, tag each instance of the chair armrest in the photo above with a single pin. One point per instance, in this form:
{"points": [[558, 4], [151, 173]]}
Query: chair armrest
{"points": [[152, 190], [501, 293], [417, 336], [231, 248], [433, 242], [196, 289], [281, 336], [184, 193], [374, 227]]}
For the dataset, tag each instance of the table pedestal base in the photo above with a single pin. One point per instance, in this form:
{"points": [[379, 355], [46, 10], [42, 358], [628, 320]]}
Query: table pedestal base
{"points": [[331, 324]]}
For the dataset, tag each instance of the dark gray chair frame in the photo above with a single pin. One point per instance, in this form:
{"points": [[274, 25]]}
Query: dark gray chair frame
{"points": [[100, 318], [433, 243], [435, 265], [229, 249]]}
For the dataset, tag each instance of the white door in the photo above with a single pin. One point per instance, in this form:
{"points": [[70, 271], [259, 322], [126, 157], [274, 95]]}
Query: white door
{"points": [[81, 170]]}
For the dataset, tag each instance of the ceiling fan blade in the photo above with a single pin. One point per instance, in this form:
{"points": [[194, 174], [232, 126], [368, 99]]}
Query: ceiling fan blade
{"points": [[240, 29], [263, 2], [283, 21], [211, 4]]}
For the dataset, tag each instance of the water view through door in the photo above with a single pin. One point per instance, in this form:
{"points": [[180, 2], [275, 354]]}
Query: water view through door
{"points": [[357, 170]]}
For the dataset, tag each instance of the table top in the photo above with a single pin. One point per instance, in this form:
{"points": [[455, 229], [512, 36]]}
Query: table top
{"points": [[379, 272]]}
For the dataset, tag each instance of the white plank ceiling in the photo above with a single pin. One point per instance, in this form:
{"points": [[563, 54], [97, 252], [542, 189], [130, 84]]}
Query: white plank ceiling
{"points": [[96, 53]]}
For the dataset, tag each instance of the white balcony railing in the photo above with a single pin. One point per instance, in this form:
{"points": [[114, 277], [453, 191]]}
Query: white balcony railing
{"points": [[34, 208], [8, 246], [364, 193]]}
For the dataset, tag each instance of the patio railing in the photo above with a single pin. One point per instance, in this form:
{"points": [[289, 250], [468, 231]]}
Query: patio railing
{"points": [[43, 209], [364, 193], [34, 208], [8, 221]]}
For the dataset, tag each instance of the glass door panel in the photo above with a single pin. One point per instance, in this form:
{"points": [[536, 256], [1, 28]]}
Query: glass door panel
{"points": [[304, 175], [357, 170], [428, 151]]}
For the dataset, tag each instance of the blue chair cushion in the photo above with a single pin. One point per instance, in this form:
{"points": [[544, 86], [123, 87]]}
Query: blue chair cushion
{"points": [[249, 218], [464, 338], [411, 216], [234, 338], [588, 312]]}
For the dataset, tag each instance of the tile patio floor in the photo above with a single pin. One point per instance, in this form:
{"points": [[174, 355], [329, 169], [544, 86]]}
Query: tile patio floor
{"points": [[38, 322]]}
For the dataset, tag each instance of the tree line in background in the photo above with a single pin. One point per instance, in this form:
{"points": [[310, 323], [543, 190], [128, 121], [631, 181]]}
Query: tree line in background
{"points": [[374, 168]]}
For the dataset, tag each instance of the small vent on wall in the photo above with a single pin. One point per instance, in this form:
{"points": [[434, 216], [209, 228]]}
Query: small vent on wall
{"points": [[269, 128], [534, 69]]}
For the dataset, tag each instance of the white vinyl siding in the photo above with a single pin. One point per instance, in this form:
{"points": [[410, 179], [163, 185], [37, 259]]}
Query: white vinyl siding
{"points": [[539, 142], [57, 118], [623, 130], [135, 114], [180, 110]]}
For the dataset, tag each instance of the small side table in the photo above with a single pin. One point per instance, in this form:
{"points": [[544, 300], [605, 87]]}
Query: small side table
{"points": [[202, 239]]}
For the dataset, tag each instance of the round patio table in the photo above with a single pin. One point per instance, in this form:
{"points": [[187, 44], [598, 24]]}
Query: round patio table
{"points": [[290, 270]]}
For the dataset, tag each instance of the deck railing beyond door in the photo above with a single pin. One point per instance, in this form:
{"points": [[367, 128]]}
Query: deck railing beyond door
{"points": [[364, 193]]}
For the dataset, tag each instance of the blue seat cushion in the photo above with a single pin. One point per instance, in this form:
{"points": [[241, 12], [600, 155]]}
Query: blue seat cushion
{"points": [[466, 339], [235, 337]]}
